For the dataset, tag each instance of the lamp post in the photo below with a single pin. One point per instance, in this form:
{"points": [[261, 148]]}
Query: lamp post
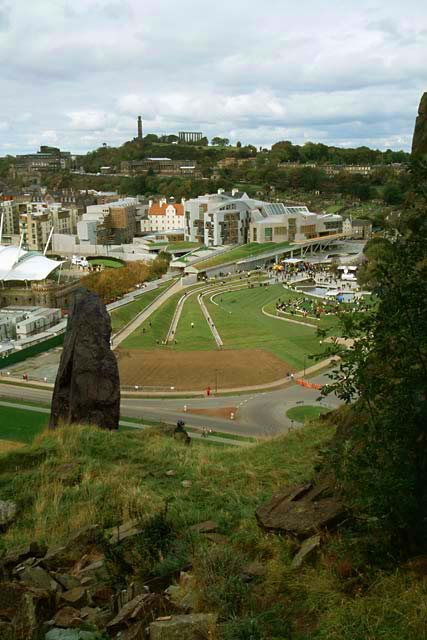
{"points": [[305, 355], [216, 382]]}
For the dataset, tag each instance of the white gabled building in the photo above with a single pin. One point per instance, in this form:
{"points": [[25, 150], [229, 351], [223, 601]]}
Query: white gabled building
{"points": [[163, 216]]}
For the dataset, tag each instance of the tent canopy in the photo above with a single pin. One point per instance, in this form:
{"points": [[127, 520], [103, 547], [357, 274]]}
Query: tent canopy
{"points": [[20, 265]]}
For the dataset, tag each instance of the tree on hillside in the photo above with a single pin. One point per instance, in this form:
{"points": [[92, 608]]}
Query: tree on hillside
{"points": [[382, 462], [393, 193], [223, 142], [151, 137]]}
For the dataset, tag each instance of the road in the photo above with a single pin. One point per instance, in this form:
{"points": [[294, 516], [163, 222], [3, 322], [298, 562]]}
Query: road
{"points": [[258, 414]]}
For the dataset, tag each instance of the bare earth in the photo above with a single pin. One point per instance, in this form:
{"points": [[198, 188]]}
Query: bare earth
{"points": [[220, 412], [185, 370]]}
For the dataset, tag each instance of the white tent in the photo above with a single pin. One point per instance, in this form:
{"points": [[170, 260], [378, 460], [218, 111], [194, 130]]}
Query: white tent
{"points": [[17, 264]]}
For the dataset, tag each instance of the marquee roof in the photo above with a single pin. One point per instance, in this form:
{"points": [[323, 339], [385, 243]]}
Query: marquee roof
{"points": [[17, 264]]}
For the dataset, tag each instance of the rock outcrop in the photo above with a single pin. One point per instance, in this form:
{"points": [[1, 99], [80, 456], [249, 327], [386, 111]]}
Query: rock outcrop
{"points": [[302, 511], [56, 594], [87, 387], [419, 141]]}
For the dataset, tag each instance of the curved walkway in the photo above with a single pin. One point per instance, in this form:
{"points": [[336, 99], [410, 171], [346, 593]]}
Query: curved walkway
{"points": [[209, 320], [303, 324]]}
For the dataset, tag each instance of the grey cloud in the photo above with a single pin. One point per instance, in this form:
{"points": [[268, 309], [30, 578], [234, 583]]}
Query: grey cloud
{"points": [[86, 68]]}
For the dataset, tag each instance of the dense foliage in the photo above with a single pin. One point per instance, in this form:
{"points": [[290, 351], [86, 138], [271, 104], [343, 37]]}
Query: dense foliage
{"points": [[111, 284], [382, 460]]}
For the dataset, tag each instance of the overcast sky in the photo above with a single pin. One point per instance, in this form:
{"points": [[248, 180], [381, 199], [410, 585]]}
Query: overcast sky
{"points": [[77, 73]]}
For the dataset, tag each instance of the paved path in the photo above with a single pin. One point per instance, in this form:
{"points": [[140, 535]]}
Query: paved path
{"points": [[303, 324], [258, 414], [267, 386], [125, 423], [175, 319], [209, 320], [142, 317]]}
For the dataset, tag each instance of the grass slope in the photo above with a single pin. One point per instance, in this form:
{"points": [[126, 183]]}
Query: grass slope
{"points": [[242, 325], [120, 317], [200, 336], [240, 252], [111, 477], [160, 322]]}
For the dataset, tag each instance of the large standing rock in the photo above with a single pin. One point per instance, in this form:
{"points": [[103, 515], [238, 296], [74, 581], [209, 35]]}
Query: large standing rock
{"points": [[87, 387], [419, 141]]}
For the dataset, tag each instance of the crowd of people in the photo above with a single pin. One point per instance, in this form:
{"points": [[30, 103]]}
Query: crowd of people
{"points": [[315, 308]]}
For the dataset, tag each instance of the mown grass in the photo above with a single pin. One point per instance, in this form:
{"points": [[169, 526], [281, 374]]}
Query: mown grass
{"points": [[106, 262], [242, 325], [154, 330], [21, 425], [303, 413], [194, 338], [121, 316], [240, 252]]}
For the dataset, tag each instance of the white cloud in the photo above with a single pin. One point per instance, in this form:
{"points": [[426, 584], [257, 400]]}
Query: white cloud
{"points": [[343, 73]]}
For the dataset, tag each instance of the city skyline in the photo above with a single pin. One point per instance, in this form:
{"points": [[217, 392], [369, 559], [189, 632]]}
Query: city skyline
{"points": [[341, 75]]}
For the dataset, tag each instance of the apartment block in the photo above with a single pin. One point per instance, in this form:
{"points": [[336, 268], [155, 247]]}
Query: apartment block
{"points": [[112, 222]]}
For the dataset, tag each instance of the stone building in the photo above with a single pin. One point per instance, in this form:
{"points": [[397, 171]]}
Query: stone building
{"points": [[163, 216], [31, 279]]}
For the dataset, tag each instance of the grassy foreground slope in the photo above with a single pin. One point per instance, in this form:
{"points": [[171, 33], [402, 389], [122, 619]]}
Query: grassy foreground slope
{"points": [[111, 477]]}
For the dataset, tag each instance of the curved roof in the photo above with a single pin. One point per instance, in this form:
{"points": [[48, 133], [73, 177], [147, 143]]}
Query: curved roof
{"points": [[17, 264]]}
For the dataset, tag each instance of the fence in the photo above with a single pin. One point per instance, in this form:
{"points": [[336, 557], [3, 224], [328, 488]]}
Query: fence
{"points": [[34, 350]]}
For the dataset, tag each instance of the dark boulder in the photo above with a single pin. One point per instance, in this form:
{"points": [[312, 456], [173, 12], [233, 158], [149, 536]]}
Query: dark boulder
{"points": [[87, 387], [303, 510], [419, 141]]}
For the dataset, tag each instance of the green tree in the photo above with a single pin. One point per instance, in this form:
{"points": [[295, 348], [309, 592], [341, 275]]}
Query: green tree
{"points": [[151, 137], [382, 461], [223, 142], [393, 194]]}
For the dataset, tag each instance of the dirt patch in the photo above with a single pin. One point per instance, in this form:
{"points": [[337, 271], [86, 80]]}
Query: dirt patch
{"points": [[185, 370], [221, 412]]}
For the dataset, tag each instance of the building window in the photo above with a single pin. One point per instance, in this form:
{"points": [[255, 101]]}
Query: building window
{"points": [[268, 234]]}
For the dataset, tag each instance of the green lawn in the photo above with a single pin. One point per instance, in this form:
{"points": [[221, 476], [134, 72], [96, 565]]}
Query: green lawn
{"points": [[181, 246], [240, 252], [193, 339], [21, 425], [160, 322], [242, 325], [324, 322], [301, 414], [240, 322], [120, 317], [106, 262]]}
